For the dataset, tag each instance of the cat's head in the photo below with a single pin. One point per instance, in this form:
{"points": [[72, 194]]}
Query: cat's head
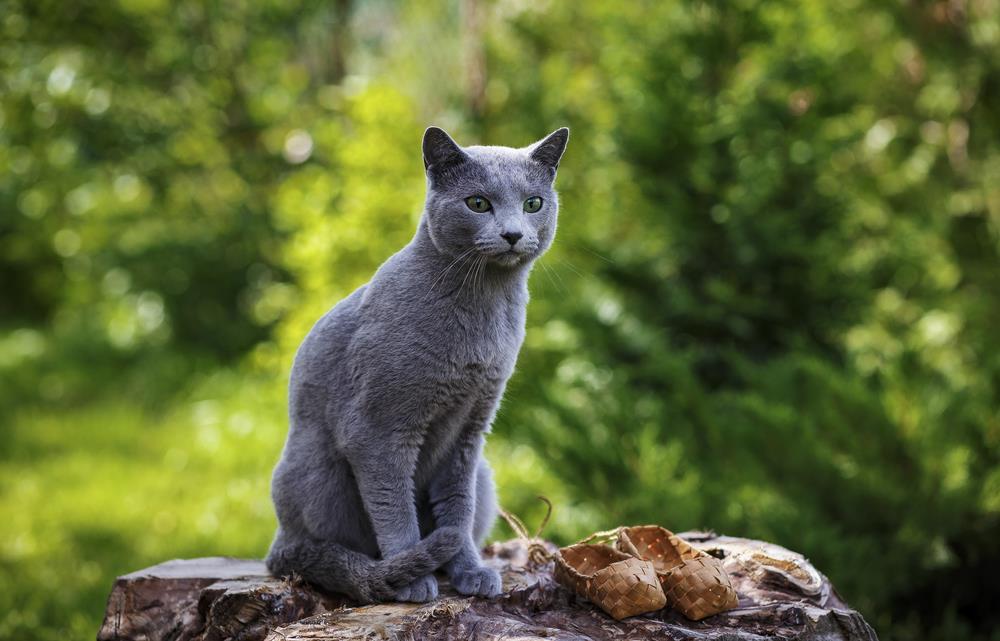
{"points": [[498, 202]]}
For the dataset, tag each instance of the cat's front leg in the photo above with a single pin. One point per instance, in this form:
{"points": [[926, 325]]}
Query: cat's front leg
{"points": [[453, 502], [384, 473]]}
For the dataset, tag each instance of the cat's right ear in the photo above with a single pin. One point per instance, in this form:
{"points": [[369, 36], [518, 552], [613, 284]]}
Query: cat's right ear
{"points": [[440, 150]]}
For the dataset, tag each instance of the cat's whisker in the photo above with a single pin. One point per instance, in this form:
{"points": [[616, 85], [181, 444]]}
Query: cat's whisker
{"points": [[589, 251], [482, 272], [474, 262], [545, 270], [477, 271], [471, 265], [475, 275], [570, 267], [549, 273], [461, 257], [444, 271], [465, 260]]}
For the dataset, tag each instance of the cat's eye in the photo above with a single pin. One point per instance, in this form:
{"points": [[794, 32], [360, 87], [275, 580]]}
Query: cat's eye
{"points": [[478, 204], [533, 204]]}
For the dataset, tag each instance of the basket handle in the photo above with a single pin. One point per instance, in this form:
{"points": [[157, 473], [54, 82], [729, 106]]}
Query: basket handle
{"points": [[605, 536], [625, 544], [538, 554]]}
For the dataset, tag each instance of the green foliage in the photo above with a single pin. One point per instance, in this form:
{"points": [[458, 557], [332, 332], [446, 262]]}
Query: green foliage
{"points": [[771, 309], [141, 145], [101, 491]]}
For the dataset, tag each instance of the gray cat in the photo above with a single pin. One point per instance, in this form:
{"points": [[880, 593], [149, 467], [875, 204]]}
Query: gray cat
{"points": [[393, 390]]}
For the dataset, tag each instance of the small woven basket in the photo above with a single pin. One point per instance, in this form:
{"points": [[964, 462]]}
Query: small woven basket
{"points": [[695, 583], [620, 584]]}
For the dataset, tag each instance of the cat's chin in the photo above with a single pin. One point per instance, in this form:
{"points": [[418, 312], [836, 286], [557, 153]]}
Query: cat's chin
{"points": [[510, 259]]}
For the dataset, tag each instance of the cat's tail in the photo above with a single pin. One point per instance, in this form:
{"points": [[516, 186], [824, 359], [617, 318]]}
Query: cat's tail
{"points": [[336, 568]]}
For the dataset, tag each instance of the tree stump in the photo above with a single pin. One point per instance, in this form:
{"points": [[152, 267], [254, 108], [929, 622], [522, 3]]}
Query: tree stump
{"points": [[782, 596]]}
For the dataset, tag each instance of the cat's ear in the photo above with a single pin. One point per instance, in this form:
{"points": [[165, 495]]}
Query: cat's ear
{"points": [[550, 149], [440, 150]]}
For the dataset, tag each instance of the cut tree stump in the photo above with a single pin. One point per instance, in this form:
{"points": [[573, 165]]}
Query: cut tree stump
{"points": [[782, 596]]}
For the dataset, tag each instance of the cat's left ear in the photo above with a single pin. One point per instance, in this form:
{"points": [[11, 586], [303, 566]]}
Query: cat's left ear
{"points": [[549, 150]]}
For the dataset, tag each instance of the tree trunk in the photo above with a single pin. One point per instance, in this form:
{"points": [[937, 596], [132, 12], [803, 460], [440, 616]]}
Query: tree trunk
{"points": [[782, 596]]}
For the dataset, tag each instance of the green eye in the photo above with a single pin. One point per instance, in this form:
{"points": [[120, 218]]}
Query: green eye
{"points": [[533, 204], [478, 204]]}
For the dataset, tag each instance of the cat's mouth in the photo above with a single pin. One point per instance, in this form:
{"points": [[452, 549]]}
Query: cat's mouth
{"points": [[510, 257]]}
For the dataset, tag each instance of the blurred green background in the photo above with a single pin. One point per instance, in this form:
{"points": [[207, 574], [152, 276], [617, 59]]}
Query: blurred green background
{"points": [[773, 307]]}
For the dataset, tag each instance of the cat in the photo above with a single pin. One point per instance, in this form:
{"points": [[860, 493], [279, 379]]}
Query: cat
{"points": [[393, 391]]}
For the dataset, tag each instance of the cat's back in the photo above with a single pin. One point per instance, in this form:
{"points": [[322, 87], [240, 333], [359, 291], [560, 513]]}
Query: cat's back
{"points": [[328, 346], [327, 342]]}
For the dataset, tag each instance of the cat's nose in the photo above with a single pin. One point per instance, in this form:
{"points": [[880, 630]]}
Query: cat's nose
{"points": [[511, 237]]}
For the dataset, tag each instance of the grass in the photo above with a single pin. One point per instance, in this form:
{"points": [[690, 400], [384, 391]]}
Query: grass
{"points": [[94, 492]]}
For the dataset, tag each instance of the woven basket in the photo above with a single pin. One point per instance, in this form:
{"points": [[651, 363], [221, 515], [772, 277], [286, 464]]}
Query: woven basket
{"points": [[695, 583], [620, 584]]}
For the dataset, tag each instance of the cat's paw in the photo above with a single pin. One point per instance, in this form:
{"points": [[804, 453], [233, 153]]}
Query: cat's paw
{"points": [[420, 591], [477, 581]]}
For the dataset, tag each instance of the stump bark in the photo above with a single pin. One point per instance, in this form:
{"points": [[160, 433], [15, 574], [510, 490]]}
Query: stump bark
{"points": [[781, 596]]}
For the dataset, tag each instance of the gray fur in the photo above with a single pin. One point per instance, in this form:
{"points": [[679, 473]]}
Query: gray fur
{"points": [[394, 389]]}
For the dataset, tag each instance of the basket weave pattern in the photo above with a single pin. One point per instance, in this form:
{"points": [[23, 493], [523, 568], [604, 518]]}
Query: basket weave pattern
{"points": [[695, 583], [620, 584]]}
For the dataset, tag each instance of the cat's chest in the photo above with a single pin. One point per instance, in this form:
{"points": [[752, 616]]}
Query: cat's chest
{"points": [[482, 340], [473, 366], [457, 405]]}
